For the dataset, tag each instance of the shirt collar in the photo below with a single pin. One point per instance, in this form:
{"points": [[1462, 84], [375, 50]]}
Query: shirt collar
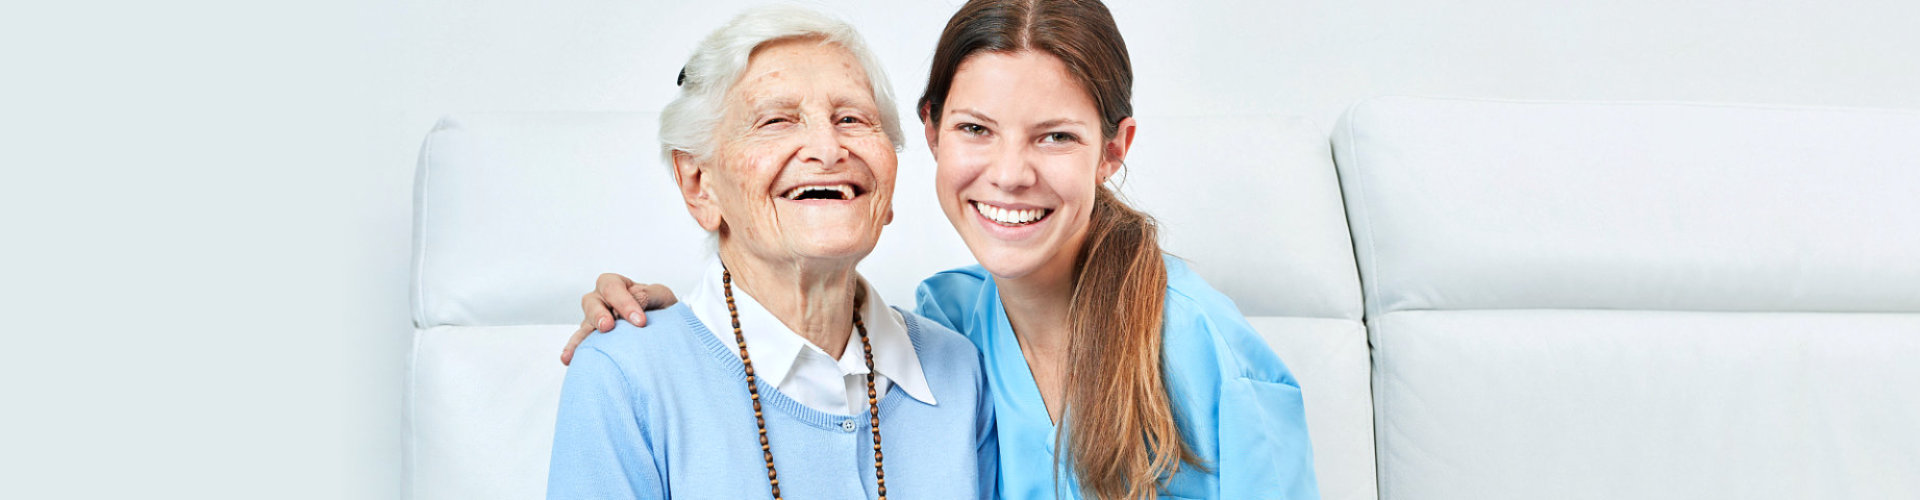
{"points": [[775, 348], [893, 353]]}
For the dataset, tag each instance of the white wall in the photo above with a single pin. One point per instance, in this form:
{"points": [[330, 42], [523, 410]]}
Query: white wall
{"points": [[1310, 58], [206, 203]]}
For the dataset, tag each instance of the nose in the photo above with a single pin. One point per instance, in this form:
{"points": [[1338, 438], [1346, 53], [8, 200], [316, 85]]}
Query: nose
{"points": [[822, 144], [1010, 170]]}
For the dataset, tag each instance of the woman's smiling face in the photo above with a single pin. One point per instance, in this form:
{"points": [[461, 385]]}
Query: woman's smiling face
{"points": [[1020, 152], [802, 169]]}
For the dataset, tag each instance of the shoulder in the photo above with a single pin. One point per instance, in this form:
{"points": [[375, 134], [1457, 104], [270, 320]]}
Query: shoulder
{"points": [[950, 364], [1193, 307], [1204, 327], [1193, 290], [665, 342], [973, 273], [950, 297], [938, 346], [961, 282]]}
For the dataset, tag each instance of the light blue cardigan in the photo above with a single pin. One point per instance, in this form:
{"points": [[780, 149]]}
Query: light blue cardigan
{"points": [[1236, 403], [663, 412]]}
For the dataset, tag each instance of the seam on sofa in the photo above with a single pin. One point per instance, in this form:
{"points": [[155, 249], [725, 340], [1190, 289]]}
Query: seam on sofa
{"points": [[410, 446], [1379, 408], [1370, 287], [422, 174]]}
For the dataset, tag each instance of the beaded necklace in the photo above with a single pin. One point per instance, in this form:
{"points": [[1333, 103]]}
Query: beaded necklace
{"points": [[759, 418]]}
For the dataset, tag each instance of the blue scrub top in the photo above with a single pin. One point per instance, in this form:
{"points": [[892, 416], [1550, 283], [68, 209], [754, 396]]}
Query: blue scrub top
{"points": [[1238, 406]]}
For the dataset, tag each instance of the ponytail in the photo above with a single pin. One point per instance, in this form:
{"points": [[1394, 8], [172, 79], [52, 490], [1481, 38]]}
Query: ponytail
{"points": [[1121, 431]]}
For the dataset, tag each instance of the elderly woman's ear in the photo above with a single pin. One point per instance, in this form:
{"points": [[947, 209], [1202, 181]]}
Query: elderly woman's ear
{"points": [[693, 189]]}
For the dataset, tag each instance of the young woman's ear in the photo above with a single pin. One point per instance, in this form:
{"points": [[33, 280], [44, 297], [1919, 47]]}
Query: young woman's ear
{"points": [[1116, 149], [692, 179], [932, 125]]}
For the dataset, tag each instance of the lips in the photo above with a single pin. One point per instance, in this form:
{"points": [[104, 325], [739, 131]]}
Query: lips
{"points": [[1011, 216], [825, 191], [836, 192]]}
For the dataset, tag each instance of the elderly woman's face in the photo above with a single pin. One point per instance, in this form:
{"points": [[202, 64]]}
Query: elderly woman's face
{"points": [[802, 168]]}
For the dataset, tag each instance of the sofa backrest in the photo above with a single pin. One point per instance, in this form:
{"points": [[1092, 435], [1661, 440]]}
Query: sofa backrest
{"points": [[516, 213], [1637, 300]]}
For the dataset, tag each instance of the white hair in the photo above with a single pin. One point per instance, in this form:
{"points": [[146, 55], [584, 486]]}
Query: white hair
{"points": [[688, 123]]}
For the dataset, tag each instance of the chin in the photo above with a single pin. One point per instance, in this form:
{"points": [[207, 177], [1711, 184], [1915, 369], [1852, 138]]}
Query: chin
{"points": [[852, 253], [843, 244], [1006, 263]]}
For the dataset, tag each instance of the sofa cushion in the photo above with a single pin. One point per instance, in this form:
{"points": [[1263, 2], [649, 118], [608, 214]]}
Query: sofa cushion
{"points": [[1627, 300], [1582, 404], [480, 409], [1329, 357]]}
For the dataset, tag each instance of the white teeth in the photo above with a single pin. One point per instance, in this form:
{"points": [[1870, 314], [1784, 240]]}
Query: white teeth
{"points": [[1005, 216], [846, 191]]}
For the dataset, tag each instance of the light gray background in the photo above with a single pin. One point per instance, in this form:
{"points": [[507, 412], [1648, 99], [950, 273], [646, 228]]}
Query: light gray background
{"points": [[206, 204]]}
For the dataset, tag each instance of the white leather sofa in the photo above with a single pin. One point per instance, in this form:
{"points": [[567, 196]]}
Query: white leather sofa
{"points": [[1564, 300], [1621, 300]]}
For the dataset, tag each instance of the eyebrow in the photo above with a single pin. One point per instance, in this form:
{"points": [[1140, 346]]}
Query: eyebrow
{"points": [[775, 103], [975, 114], [839, 102], [1058, 122]]}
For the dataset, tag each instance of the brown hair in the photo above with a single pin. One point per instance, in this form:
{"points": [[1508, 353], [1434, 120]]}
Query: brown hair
{"points": [[1122, 437]]}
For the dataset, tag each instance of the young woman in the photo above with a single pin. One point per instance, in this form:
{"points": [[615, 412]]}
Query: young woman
{"points": [[1116, 372]]}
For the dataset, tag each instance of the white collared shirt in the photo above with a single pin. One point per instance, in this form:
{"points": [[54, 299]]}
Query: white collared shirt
{"points": [[804, 371]]}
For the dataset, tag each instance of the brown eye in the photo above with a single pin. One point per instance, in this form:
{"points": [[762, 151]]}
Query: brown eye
{"points": [[972, 129], [1060, 137]]}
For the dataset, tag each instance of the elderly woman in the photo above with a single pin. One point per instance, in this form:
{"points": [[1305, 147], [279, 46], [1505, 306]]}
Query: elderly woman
{"points": [[782, 371]]}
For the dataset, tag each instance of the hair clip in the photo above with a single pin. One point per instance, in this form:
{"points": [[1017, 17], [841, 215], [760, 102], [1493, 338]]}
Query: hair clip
{"points": [[683, 77]]}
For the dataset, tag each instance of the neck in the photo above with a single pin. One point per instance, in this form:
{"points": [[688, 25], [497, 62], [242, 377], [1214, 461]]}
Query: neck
{"points": [[815, 299], [1037, 306]]}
